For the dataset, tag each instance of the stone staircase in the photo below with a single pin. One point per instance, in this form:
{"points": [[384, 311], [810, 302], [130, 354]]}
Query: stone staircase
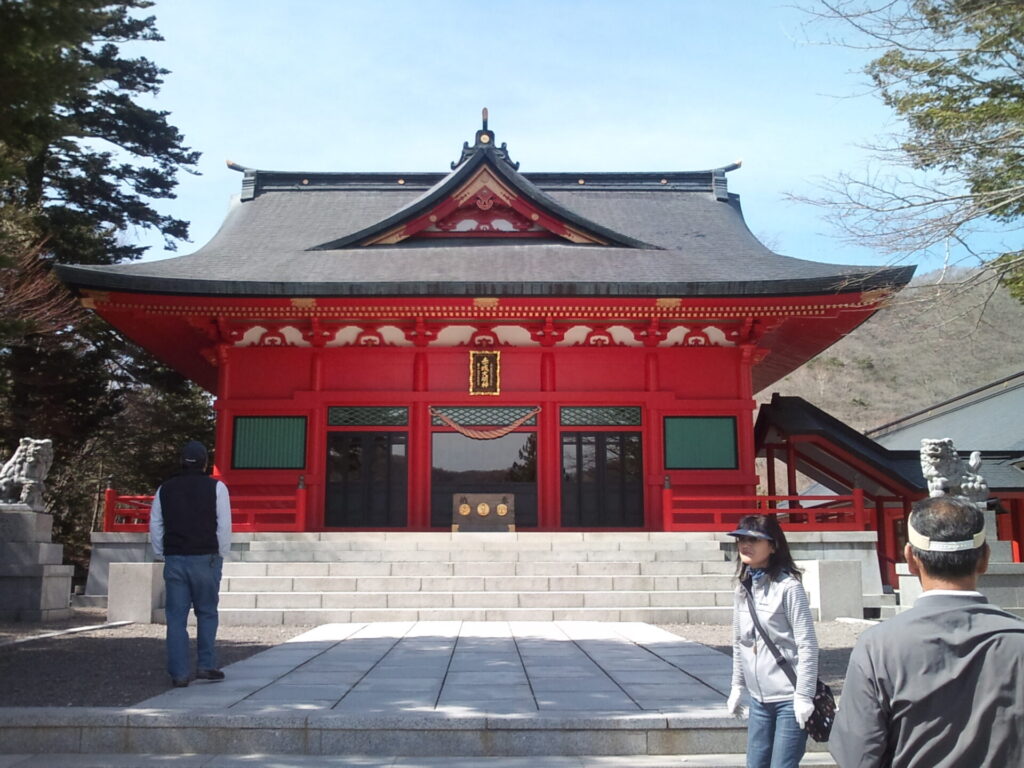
{"points": [[318, 578]]}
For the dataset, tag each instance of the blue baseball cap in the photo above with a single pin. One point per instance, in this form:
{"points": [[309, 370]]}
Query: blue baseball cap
{"points": [[751, 534], [194, 454]]}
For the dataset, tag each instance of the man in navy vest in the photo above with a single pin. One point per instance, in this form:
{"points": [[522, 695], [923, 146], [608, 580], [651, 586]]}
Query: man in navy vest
{"points": [[190, 528]]}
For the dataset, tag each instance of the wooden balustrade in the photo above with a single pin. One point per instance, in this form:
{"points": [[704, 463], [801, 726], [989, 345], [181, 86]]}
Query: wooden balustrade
{"points": [[681, 512], [130, 514]]}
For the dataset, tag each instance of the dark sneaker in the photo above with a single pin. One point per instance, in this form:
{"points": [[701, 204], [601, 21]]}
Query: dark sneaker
{"points": [[180, 683], [209, 674]]}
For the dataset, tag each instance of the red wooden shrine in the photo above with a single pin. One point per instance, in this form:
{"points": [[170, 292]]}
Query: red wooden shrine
{"points": [[586, 346]]}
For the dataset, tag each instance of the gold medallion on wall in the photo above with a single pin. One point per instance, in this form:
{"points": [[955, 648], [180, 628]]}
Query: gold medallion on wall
{"points": [[485, 372]]}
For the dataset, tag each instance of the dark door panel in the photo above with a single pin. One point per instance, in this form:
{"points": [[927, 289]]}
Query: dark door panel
{"points": [[602, 480], [366, 480]]}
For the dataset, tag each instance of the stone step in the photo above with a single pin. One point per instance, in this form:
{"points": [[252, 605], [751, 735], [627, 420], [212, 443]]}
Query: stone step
{"points": [[286, 583], [341, 542], [479, 600], [428, 539], [718, 614], [382, 568], [260, 551]]}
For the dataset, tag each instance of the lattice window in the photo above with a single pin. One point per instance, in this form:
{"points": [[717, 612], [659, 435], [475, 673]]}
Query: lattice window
{"points": [[367, 416], [600, 416], [498, 416]]}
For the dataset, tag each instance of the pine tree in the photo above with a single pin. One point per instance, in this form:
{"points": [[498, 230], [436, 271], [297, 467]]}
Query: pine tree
{"points": [[77, 147]]}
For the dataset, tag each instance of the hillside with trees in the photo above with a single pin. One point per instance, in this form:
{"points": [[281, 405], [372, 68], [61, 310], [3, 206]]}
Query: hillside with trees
{"points": [[938, 338]]}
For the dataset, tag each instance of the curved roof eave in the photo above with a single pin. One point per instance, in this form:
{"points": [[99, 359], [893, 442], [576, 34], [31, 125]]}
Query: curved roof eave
{"points": [[86, 278]]}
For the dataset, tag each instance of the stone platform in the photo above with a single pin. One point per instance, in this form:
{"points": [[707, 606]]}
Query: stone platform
{"points": [[426, 690]]}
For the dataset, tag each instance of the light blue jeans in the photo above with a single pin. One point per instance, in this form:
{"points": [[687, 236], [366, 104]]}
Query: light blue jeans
{"points": [[191, 581], [774, 739]]}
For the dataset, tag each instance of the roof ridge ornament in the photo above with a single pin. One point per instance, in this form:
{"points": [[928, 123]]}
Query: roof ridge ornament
{"points": [[484, 141]]}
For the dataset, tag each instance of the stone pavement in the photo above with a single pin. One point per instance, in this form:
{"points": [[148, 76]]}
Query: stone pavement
{"points": [[470, 668], [431, 694]]}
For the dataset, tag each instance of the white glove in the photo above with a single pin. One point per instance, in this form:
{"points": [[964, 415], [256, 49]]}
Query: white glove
{"points": [[733, 705], [803, 708]]}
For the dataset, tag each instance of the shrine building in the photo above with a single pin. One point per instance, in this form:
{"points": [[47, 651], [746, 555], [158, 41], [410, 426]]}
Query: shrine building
{"points": [[561, 350]]}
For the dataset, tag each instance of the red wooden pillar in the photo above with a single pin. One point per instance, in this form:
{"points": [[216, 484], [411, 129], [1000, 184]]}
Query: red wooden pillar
{"points": [[860, 516], [109, 504], [419, 447], [314, 480], [549, 468], [791, 472], [750, 354], [1017, 528], [223, 433]]}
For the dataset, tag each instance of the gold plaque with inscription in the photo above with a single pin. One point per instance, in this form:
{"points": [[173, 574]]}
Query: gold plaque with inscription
{"points": [[485, 372]]}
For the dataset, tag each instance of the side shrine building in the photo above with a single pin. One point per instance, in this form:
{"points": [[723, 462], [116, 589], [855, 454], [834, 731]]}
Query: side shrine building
{"points": [[412, 351]]}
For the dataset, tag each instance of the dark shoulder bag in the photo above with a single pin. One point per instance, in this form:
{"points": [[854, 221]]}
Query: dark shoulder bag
{"points": [[819, 724]]}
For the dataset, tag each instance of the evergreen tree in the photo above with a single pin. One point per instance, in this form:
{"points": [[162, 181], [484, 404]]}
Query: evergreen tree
{"points": [[76, 145], [82, 160]]}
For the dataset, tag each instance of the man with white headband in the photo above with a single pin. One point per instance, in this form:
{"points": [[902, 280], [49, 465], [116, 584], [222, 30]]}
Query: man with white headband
{"points": [[942, 684]]}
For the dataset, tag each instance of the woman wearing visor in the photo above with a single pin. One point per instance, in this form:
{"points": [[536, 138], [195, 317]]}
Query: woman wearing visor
{"points": [[770, 581]]}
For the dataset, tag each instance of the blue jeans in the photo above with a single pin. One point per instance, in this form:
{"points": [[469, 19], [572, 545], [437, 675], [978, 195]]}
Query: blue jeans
{"points": [[191, 581], [774, 739]]}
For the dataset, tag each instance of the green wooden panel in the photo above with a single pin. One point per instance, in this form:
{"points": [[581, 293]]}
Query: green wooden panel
{"points": [[269, 442], [700, 442]]}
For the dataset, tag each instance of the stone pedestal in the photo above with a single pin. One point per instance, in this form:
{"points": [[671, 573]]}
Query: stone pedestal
{"points": [[136, 592], [833, 588], [1001, 551], [34, 585]]}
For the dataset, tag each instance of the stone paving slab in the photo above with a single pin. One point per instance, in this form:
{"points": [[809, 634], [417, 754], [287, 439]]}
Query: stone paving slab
{"points": [[506, 667]]}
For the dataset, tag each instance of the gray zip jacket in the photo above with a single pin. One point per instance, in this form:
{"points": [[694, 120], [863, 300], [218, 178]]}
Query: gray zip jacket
{"points": [[785, 614]]}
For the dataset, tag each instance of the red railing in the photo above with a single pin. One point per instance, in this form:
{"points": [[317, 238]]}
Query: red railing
{"points": [[721, 513], [130, 514]]}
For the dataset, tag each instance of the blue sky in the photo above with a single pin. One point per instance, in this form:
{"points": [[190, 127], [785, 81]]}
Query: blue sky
{"points": [[637, 85]]}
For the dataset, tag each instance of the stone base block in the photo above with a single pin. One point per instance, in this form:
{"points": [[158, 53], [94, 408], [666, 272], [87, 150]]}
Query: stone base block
{"points": [[19, 523], [136, 592], [110, 548], [834, 588], [41, 594]]}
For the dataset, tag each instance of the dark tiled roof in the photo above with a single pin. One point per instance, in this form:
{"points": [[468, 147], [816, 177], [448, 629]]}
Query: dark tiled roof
{"points": [[672, 234]]}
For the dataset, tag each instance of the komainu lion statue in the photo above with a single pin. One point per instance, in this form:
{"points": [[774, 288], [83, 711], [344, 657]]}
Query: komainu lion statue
{"points": [[21, 479], [947, 473]]}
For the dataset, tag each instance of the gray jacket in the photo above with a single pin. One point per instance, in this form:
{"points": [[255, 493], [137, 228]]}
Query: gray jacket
{"points": [[784, 613], [937, 686]]}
